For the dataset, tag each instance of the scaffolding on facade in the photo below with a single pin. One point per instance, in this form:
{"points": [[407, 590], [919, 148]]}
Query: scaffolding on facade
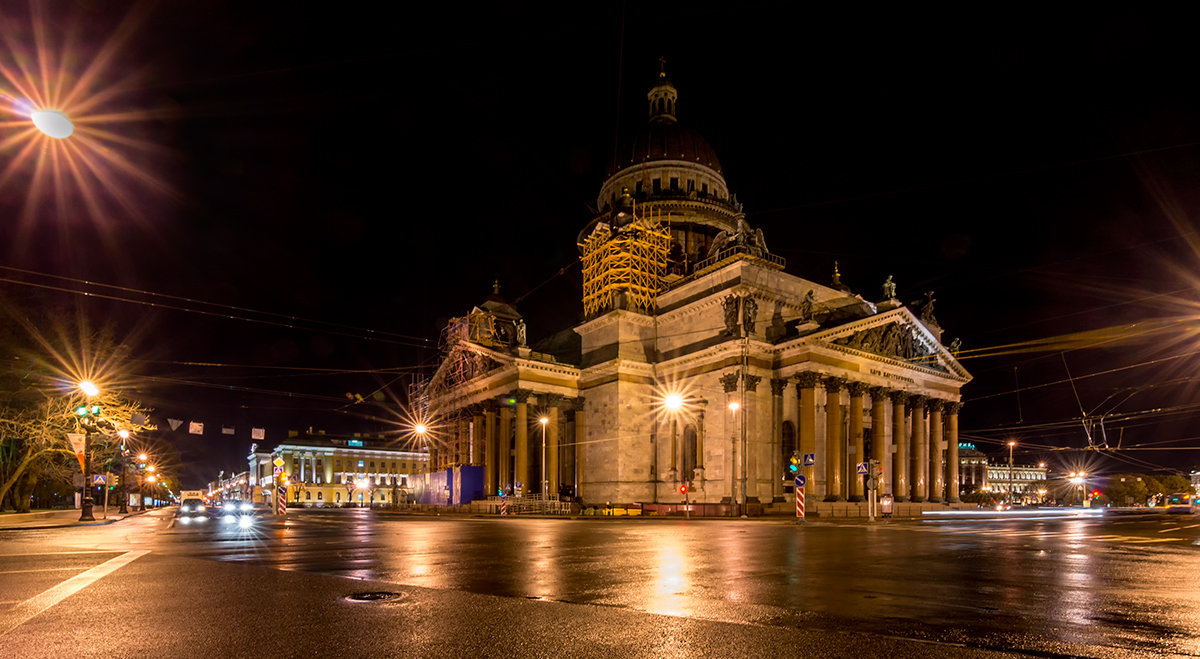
{"points": [[623, 267]]}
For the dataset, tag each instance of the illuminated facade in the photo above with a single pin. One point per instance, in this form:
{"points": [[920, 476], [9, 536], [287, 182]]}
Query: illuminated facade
{"points": [[1023, 482], [681, 295], [325, 470]]}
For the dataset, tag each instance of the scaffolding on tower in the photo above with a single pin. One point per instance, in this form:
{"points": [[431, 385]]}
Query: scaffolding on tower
{"points": [[623, 267]]}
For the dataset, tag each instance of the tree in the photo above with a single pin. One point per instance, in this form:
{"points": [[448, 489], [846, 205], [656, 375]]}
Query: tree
{"points": [[35, 421], [1127, 490]]}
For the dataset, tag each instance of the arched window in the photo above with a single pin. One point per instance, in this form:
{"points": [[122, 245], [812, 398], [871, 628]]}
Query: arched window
{"points": [[689, 453]]}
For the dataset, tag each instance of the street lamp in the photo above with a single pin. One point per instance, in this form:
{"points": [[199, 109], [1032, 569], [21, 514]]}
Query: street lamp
{"points": [[53, 123], [1079, 479], [673, 403], [734, 406], [124, 509], [90, 390], [545, 484], [1011, 484]]}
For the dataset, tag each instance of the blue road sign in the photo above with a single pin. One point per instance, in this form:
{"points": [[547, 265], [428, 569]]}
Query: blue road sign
{"points": [[862, 469], [810, 459], [800, 480], [98, 479]]}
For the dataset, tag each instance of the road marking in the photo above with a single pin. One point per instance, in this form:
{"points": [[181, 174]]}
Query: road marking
{"points": [[62, 553], [1169, 529], [41, 569], [21, 613]]}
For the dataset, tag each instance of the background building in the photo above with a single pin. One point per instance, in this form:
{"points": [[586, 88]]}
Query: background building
{"points": [[325, 470]]}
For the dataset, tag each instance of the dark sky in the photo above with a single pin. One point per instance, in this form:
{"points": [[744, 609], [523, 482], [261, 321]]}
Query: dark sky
{"points": [[356, 175]]}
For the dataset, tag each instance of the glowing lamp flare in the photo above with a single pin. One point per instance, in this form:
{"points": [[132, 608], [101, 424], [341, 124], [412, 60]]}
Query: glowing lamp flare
{"points": [[54, 124], [89, 388], [420, 429], [673, 402]]}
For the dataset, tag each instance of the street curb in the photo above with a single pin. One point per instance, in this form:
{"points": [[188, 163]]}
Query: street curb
{"points": [[101, 522]]}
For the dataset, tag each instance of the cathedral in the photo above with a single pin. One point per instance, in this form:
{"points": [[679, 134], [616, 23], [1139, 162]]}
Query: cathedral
{"points": [[702, 371]]}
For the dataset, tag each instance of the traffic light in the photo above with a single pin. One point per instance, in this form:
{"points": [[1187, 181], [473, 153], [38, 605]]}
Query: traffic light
{"points": [[793, 466], [88, 410], [683, 488]]}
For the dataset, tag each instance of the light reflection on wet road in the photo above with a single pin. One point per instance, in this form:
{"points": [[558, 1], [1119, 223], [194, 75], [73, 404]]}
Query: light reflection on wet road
{"points": [[1128, 584]]}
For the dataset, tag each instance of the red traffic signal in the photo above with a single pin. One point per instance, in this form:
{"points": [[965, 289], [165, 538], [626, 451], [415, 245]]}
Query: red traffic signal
{"points": [[683, 488]]}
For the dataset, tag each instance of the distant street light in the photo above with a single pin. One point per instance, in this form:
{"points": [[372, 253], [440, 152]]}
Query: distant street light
{"points": [[545, 484], [86, 420], [1011, 484], [54, 124]]}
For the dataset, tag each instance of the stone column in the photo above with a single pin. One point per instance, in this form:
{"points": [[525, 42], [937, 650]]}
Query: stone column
{"points": [[490, 463], [936, 467], [919, 460], [522, 441], [504, 445], [464, 437], [776, 448], [477, 436], [580, 449], [833, 438], [879, 442], [552, 474], [750, 468], [952, 451], [855, 482], [701, 408], [806, 432]]}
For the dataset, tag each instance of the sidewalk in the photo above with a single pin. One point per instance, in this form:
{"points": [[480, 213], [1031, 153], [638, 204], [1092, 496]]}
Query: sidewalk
{"points": [[55, 519]]}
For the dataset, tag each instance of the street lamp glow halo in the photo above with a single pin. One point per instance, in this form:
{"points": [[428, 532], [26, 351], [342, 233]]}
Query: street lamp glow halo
{"points": [[53, 123], [89, 388], [673, 402], [544, 420]]}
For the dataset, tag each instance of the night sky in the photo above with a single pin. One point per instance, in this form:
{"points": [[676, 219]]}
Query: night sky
{"points": [[339, 182]]}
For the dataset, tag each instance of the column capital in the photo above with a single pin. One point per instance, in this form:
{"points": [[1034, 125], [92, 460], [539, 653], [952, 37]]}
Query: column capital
{"points": [[475, 409], [490, 406], [899, 397], [953, 407], [752, 382], [729, 381], [935, 405], [857, 389], [778, 385], [577, 403], [522, 395], [879, 394], [553, 400], [918, 402], [807, 380], [834, 384]]}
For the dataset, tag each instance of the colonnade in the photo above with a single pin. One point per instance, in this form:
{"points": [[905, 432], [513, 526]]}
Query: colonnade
{"points": [[916, 432], [497, 437]]}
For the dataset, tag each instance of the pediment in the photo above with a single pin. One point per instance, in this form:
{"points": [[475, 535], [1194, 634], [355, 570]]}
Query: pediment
{"points": [[895, 335], [465, 362]]}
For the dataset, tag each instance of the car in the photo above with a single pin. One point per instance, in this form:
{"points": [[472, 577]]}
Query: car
{"points": [[192, 510]]}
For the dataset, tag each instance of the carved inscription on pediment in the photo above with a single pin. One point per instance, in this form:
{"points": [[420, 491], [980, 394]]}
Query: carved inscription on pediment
{"points": [[896, 340]]}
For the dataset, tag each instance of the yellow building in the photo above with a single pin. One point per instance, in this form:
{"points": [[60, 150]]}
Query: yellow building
{"points": [[337, 471]]}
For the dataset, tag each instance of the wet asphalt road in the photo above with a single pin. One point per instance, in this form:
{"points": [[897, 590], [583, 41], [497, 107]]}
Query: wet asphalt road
{"points": [[523, 587]]}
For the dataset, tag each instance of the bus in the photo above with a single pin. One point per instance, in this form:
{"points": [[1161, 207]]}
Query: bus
{"points": [[1182, 502]]}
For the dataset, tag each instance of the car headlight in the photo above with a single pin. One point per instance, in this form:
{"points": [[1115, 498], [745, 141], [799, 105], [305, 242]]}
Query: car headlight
{"points": [[245, 506]]}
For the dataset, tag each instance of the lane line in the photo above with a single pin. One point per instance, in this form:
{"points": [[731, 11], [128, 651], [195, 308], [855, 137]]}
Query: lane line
{"points": [[62, 553], [21, 613], [41, 569]]}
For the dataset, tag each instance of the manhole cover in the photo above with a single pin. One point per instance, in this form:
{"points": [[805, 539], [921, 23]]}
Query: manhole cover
{"points": [[375, 596]]}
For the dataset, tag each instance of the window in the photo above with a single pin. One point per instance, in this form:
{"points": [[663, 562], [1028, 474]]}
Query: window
{"points": [[691, 185], [308, 496], [674, 184], [338, 498], [656, 185], [393, 466], [360, 464], [372, 464], [320, 496], [638, 188], [337, 464], [703, 188]]}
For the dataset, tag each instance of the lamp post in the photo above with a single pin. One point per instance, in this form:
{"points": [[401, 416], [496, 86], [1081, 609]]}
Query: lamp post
{"points": [[673, 403], [124, 508], [1011, 484], [90, 390], [545, 484], [734, 406]]}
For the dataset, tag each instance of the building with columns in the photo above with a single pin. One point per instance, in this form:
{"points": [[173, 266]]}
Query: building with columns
{"points": [[701, 361]]}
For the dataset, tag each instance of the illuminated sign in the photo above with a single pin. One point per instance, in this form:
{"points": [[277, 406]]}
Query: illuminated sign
{"points": [[354, 442]]}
